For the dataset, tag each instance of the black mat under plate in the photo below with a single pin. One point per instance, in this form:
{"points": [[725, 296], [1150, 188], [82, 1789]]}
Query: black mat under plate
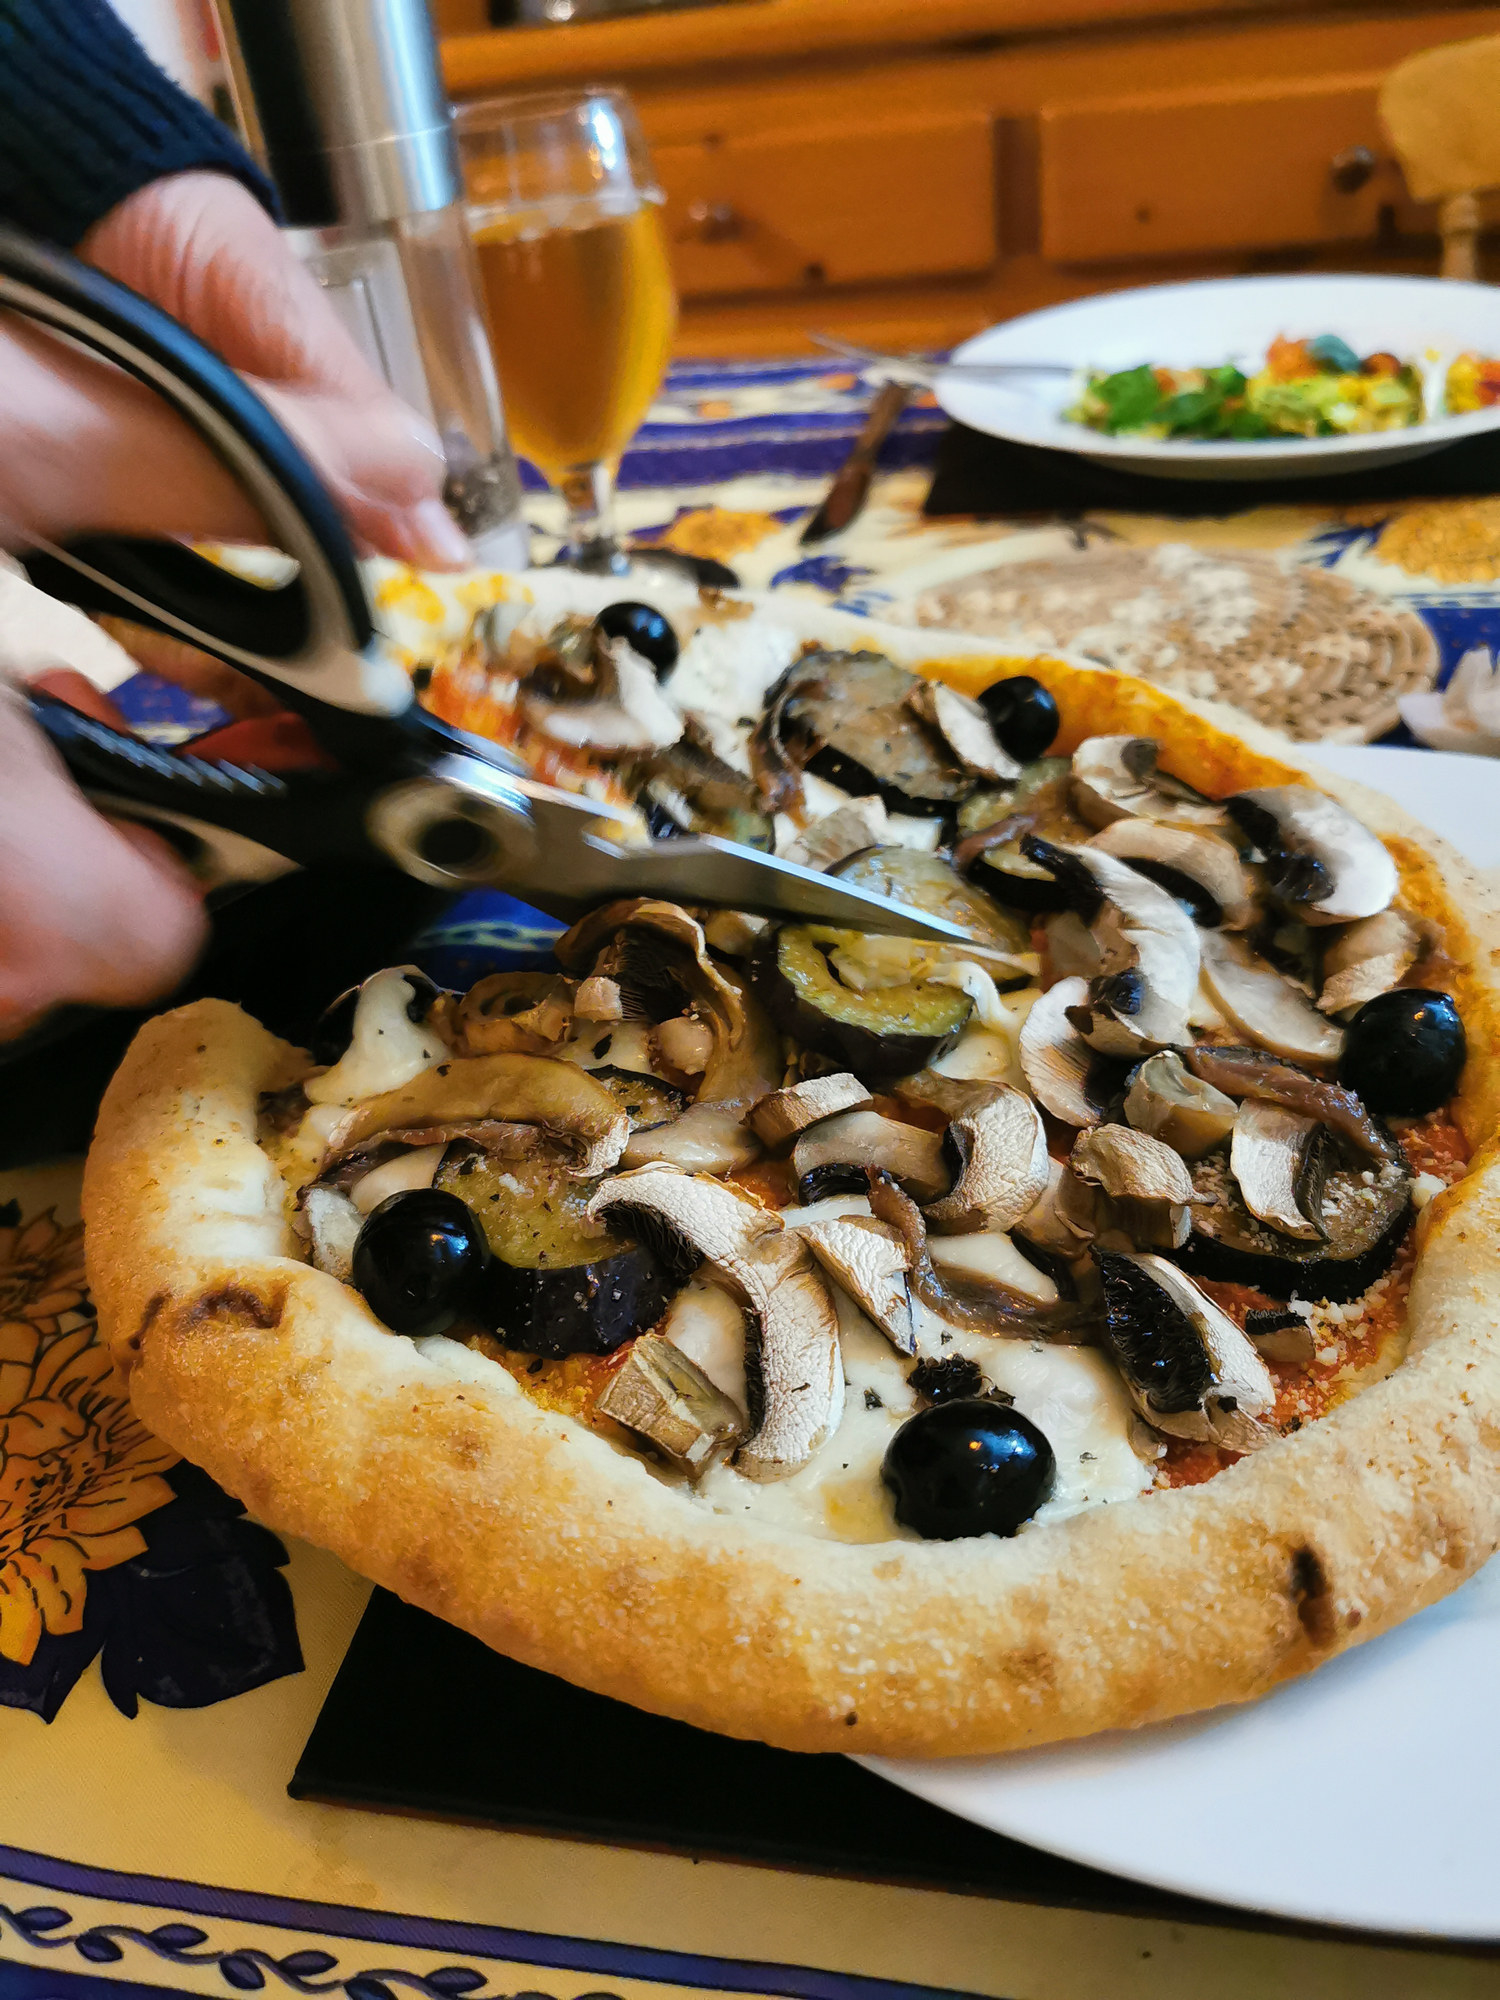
{"points": [[978, 474], [424, 1720]]}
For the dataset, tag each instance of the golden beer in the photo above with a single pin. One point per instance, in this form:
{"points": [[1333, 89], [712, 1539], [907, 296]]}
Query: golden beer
{"points": [[582, 314]]}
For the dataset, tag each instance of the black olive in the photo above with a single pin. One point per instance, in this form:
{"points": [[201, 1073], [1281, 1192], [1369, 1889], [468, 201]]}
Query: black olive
{"points": [[1405, 1052], [648, 632], [1022, 714], [968, 1468], [420, 1260]]}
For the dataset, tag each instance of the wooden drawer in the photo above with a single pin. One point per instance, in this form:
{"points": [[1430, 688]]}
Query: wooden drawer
{"points": [[1238, 167], [781, 211]]}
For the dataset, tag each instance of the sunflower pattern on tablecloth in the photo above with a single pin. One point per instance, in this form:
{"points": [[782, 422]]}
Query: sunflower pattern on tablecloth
{"points": [[110, 1549]]}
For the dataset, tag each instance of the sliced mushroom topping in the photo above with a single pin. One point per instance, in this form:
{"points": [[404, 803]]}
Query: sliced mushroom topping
{"points": [[868, 1259], [859, 1140], [965, 728], [511, 1090], [657, 955], [1280, 1161], [850, 829], [1266, 1006], [1250, 1073], [704, 1139], [794, 1367], [1279, 1334], [1190, 1370], [624, 711], [1367, 960], [1058, 1064], [1148, 952], [598, 1000], [495, 1016], [1001, 1149], [1062, 1220], [392, 1040], [685, 1044], [1198, 869], [784, 1113], [333, 1223], [664, 1397], [1072, 949], [1116, 777], [1319, 859], [1167, 1101], [1149, 1187], [981, 1304]]}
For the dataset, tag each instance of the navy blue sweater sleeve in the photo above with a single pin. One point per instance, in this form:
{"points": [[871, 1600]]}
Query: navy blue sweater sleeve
{"points": [[86, 118]]}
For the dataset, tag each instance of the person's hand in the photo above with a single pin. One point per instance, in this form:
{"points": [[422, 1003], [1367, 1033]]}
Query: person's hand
{"points": [[89, 911], [85, 448], [201, 247]]}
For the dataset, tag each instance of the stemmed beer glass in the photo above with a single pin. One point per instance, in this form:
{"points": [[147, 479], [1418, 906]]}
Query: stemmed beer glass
{"points": [[565, 215]]}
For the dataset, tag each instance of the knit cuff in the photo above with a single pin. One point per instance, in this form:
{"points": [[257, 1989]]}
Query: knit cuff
{"points": [[86, 118]]}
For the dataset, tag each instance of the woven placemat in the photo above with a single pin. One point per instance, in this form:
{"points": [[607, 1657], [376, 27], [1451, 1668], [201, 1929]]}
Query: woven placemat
{"points": [[1300, 649]]}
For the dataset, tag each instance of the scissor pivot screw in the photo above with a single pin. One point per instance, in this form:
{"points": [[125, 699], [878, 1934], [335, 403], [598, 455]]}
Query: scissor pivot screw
{"points": [[458, 846]]}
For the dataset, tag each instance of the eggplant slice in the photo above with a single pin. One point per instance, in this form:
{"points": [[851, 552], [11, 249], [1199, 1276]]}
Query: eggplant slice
{"points": [[559, 1283], [888, 1031], [1364, 1227], [847, 718], [930, 884], [990, 850]]}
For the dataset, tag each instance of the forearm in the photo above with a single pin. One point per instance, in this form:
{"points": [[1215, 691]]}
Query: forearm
{"points": [[86, 118]]}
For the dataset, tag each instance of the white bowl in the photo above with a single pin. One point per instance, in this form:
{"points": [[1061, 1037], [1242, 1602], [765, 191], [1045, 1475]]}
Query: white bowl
{"points": [[1425, 320]]}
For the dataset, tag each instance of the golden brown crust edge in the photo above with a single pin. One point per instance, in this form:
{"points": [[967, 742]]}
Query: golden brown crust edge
{"points": [[435, 1476]]}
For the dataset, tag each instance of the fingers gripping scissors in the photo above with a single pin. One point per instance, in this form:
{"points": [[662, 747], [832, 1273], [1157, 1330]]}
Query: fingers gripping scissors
{"points": [[448, 808]]}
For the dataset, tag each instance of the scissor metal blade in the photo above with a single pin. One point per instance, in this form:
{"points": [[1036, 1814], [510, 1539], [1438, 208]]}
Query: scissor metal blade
{"points": [[577, 863]]}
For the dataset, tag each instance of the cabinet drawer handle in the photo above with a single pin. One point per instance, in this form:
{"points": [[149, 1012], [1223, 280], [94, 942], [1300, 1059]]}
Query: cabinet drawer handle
{"points": [[712, 222], [1350, 170]]}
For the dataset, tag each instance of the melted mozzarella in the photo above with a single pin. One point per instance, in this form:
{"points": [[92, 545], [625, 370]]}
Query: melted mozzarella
{"points": [[386, 1047], [727, 669], [618, 1045], [708, 1326], [992, 1053], [989, 1253]]}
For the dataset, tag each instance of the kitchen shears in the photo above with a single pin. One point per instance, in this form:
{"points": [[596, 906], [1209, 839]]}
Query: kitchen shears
{"points": [[446, 807]]}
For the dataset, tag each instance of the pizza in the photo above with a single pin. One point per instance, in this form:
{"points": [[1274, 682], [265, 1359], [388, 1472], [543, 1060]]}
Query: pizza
{"points": [[840, 1341]]}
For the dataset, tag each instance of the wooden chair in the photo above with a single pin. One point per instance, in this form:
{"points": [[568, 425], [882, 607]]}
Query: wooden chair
{"points": [[1441, 112]]}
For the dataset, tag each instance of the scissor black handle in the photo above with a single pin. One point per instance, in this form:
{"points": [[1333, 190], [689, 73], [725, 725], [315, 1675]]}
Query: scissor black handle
{"points": [[307, 638], [295, 818]]}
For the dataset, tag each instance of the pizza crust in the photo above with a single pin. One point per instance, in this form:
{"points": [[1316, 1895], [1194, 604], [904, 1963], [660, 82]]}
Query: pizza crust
{"points": [[428, 1469]]}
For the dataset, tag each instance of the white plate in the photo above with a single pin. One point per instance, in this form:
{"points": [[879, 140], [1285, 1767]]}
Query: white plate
{"points": [[1366, 1794], [1228, 319]]}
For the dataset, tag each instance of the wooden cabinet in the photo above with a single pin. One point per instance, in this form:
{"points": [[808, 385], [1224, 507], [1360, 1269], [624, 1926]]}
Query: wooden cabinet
{"points": [[1242, 167], [908, 171], [836, 205]]}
